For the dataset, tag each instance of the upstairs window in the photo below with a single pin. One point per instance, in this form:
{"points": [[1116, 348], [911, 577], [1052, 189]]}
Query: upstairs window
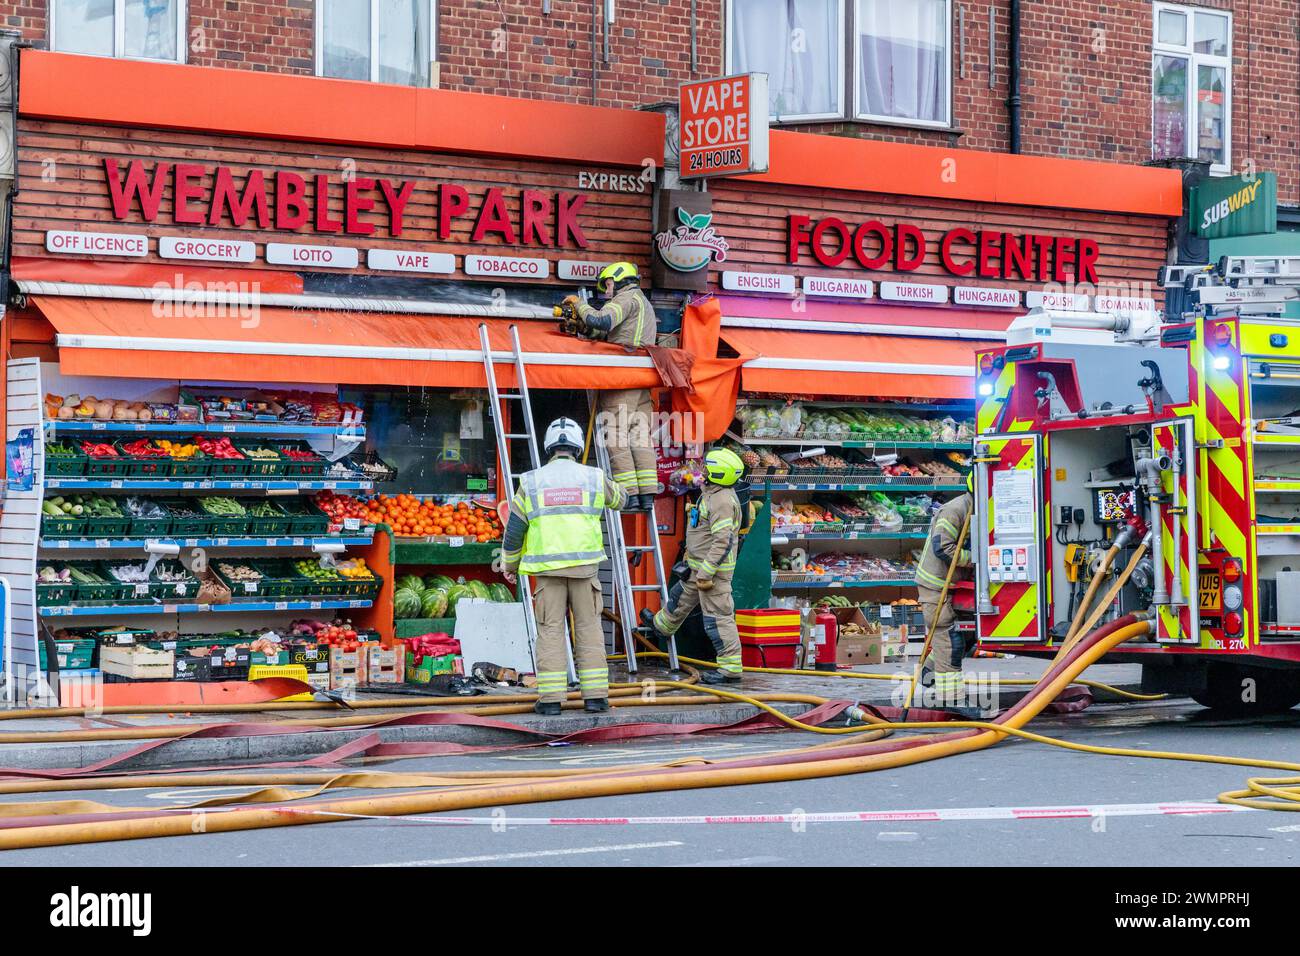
{"points": [[1191, 85], [137, 29], [384, 41], [903, 61], [799, 45]]}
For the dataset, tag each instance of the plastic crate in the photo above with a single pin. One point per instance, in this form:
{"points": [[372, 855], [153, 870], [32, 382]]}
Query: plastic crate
{"points": [[361, 588], [272, 526], [185, 526], [198, 466], [66, 526], [261, 467], [300, 468], [54, 595], [103, 526], [149, 466], [107, 592], [135, 592], [228, 467], [73, 655], [66, 466], [242, 590], [172, 590], [150, 527], [305, 518], [292, 671], [228, 526], [106, 466]]}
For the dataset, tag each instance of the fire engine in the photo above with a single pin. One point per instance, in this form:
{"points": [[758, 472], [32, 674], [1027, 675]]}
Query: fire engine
{"points": [[1128, 461]]}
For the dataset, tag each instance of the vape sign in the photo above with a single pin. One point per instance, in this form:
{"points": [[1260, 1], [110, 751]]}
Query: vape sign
{"points": [[723, 126]]}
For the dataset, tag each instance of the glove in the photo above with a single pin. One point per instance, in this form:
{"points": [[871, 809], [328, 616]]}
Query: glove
{"points": [[570, 302], [510, 576], [704, 584]]}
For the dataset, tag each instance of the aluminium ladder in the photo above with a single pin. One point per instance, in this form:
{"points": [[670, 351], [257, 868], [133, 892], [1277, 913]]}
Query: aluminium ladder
{"points": [[505, 475], [624, 557]]}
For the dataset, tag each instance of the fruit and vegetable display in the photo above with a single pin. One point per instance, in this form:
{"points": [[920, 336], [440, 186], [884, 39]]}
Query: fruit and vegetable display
{"points": [[860, 567], [143, 448], [796, 420], [176, 449], [76, 407], [223, 506], [91, 506], [129, 572], [236, 573], [59, 449], [410, 516], [99, 449], [217, 447]]}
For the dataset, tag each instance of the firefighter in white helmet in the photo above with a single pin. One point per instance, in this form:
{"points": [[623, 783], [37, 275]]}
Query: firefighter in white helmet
{"points": [[627, 319], [713, 526], [554, 536]]}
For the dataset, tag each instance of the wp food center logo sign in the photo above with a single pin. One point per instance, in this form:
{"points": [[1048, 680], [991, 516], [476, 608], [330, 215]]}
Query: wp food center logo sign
{"points": [[692, 244]]}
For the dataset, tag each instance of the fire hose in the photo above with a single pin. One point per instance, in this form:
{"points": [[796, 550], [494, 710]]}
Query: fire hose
{"points": [[865, 752]]}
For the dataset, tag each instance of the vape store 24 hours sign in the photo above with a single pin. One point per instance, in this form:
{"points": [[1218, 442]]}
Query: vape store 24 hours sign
{"points": [[723, 126]]}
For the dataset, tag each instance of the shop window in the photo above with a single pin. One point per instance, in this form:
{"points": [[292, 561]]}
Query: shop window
{"points": [[441, 442], [903, 61], [384, 41], [1191, 92], [798, 44], [137, 29]]}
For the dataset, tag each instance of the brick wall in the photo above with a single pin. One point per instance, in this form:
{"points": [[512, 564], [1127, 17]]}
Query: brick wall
{"points": [[1085, 87]]}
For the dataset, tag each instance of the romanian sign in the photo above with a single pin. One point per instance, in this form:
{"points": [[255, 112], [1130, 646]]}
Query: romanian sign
{"points": [[1234, 206], [723, 126]]}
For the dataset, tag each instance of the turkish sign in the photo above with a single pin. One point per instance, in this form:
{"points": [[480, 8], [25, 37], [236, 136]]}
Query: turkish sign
{"points": [[723, 126], [1234, 206], [904, 246]]}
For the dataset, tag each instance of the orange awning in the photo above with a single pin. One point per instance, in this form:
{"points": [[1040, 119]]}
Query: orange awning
{"points": [[134, 338], [850, 365]]}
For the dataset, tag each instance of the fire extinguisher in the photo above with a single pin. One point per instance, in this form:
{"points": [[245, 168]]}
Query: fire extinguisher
{"points": [[825, 633]]}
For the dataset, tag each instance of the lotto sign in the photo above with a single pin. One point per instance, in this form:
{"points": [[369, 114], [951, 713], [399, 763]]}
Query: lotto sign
{"points": [[723, 125]]}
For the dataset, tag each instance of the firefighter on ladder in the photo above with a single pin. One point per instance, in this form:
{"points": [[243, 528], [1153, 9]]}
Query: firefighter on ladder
{"points": [[554, 536], [943, 669], [713, 527], [627, 319]]}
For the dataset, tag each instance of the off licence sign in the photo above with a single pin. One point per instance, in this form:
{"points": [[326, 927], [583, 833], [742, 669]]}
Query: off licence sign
{"points": [[723, 125]]}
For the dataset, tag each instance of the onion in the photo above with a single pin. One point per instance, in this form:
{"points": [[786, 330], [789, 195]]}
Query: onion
{"points": [[104, 410]]}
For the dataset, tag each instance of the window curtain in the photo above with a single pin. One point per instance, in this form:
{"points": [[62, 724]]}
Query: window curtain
{"points": [[903, 59], [404, 42], [796, 43]]}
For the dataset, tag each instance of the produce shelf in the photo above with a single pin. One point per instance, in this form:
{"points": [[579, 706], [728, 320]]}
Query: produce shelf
{"points": [[73, 544], [779, 537], [131, 609], [415, 626], [850, 484], [207, 484], [419, 551], [752, 440], [836, 581], [208, 428]]}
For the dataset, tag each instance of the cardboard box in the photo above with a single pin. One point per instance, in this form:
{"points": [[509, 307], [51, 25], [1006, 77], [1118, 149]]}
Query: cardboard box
{"points": [[894, 643], [385, 665], [426, 668], [346, 668], [858, 650]]}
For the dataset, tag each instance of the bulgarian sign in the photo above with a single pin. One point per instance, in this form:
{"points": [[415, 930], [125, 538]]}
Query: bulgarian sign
{"points": [[1234, 206], [723, 126]]}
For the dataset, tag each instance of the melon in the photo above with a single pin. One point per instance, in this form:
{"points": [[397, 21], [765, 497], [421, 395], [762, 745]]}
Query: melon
{"points": [[454, 594], [478, 589], [411, 582], [433, 603], [406, 603], [438, 581], [500, 593]]}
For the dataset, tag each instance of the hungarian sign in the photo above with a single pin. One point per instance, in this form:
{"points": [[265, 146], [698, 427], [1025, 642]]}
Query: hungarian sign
{"points": [[1234, 206], [723, 126]]}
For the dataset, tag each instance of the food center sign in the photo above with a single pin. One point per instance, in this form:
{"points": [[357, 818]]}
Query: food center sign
{"points": [[723, 126]]}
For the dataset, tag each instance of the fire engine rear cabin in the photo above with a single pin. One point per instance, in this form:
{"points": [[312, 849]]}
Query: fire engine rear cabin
{"points": [[1127, 464]]}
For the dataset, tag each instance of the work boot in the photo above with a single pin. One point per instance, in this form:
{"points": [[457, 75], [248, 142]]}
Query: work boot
{"points": [[548, 708], [719, 677], [596, 705], [648, 622], [927, 675], [965, 713], [642, 503]]}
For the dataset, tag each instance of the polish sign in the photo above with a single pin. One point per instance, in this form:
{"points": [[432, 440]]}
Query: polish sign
{"points": [[722, 126]]}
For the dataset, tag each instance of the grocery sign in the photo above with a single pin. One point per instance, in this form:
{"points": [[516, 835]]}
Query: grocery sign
{"points": [[723, 126]]}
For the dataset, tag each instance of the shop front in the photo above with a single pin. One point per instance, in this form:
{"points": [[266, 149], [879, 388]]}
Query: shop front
{"points": [[857, 282], [246, 382]]}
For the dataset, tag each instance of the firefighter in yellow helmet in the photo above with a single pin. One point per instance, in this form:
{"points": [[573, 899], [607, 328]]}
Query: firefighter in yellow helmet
{"points": [[948, 647], [626, 319], [712, 532]]}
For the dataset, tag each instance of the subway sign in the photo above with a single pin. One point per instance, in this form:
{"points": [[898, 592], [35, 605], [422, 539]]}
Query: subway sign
{"points": [[1234, 206], [962, 252]]}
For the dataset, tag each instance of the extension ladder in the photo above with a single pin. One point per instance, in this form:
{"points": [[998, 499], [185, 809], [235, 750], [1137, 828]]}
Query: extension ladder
{"points": [[625, 557]]}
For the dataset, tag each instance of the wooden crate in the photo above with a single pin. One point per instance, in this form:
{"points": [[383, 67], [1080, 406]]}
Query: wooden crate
{"points": [[137, 663]]}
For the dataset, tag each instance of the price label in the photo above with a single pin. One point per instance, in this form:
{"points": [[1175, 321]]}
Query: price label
{"points": [[250, 587], [171, 608], [315, 605], [98, 426], [351, 524], [886, 612], [101, 543], [228, 428], [329, 484], [239, 484], [142, 590], [183, 590], [456, 542], [299, 542], [282, 605], [115, 483], [201, 484]]}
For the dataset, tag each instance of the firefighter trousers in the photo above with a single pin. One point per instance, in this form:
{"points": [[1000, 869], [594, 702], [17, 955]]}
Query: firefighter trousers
{"points": [[947, 649], [553, 598], [718, 609], [628, 418]]}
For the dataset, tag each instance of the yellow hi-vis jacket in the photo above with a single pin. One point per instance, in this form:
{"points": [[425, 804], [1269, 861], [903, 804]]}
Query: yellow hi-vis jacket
{"points": [[562, 504], [945, 528]]}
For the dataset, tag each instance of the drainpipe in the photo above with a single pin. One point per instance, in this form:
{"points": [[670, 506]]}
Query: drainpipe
{"points": [[1013, 77]]}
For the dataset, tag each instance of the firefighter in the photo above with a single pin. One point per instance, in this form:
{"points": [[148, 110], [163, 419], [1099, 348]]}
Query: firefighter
{"points": [[627, 319], [948, 647], [713, 526], [554, 535]]}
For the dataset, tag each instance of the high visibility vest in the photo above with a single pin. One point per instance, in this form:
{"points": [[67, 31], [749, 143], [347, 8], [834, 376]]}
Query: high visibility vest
{"points": [[563, 502]]}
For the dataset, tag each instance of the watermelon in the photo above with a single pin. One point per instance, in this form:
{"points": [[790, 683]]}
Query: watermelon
{"points": [[433, 603], [454, 594], [478, 589], [500, 593], [438, 581], [406, 603], [412, 582]]}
